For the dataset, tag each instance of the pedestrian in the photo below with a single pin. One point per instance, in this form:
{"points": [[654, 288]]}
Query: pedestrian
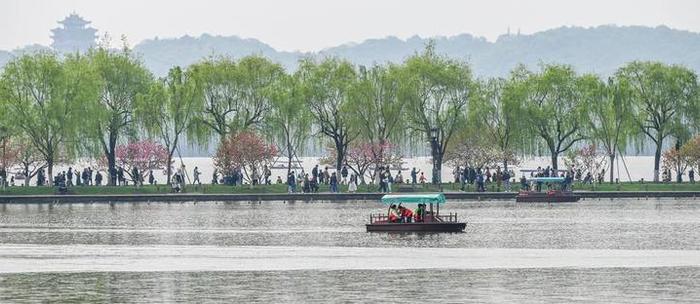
{"points": [[352, 185], [414, 175], [691, 176], [291, 183], [344, 175], [333, 182], [151, 179], [196, 174], [98, 179]]}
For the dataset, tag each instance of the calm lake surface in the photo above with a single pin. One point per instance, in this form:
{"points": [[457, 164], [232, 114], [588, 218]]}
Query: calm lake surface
{"points": [[605, 251]]}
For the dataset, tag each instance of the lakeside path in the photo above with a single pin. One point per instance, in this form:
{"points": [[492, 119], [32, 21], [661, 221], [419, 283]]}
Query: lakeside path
{"points": [[259, 197]]}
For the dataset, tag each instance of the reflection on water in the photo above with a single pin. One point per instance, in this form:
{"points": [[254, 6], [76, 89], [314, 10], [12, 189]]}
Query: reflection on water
{"points": [[594, 251]]}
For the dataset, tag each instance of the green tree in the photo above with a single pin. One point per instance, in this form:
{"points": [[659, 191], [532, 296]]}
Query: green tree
{"points": [[377, 109], [289, 121], [437, 94], [326, 88], [169, 109], [664, 101], [496, 112], [123, 79], [607, 115], [235, 95], [553, 105], [44, 98]]}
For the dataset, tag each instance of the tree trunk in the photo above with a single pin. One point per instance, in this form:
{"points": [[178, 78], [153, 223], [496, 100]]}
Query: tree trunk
{"points": [[169, 167], [111, 168], [555, 160], [437, 167], [111, 158], [657, 161], [26, 175], [612, 166], [340, 155], [49, 166]]}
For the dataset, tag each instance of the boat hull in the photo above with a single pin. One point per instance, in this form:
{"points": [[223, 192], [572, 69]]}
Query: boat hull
{"points": [[417, 227], [544, 198]]}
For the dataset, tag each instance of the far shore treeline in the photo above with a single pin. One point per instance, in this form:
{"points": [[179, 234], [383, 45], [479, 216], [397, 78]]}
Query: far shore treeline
{"points": [[59, 108]]}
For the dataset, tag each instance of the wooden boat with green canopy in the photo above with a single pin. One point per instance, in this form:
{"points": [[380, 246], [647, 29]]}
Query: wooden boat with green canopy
{"points": [[558, 191], [424, 218]]}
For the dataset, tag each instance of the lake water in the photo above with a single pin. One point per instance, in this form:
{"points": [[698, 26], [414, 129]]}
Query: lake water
{"points": [[605, 251]]}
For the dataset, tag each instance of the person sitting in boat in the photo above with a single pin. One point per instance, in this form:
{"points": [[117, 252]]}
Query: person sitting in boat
{"points": [[406, 214], [419, 214], [393, 214]]}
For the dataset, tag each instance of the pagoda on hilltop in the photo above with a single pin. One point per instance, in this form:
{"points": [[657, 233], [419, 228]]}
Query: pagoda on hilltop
{"points": [[74, 36]]}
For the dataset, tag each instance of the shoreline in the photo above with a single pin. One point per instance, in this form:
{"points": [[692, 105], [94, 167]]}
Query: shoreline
{"points": [[307, 197]]}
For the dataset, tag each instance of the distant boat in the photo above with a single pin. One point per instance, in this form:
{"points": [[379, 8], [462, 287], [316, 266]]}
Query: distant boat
{"points": [[280, 164], [561, 194]]}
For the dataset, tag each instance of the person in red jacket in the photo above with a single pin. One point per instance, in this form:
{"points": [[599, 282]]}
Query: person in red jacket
{"points": [[393, 214], [406, 214]]}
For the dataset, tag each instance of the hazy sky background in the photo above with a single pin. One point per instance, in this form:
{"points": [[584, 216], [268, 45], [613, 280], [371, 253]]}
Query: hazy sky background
{"points": [[316, 24]]}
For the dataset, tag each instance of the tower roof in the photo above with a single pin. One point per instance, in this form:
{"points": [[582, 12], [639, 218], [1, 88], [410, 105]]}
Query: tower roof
{"points": [[74, 20]]}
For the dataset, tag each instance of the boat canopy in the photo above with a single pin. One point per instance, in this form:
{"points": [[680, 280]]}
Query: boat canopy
{"points": [[547, 179], [437, 198]]}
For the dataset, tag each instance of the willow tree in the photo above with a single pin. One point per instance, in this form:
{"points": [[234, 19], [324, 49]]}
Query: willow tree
{"points": [[664, 101], [495, 112], [289, 121], [168, 110], [553, 104], [45, 99], [377, 108], [326, 88], [123, 79], [437, 95], [607, 115], [235, 95]]}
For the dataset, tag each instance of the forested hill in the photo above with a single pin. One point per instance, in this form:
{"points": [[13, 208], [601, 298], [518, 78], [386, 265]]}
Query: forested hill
{"points": [[600, 49]]}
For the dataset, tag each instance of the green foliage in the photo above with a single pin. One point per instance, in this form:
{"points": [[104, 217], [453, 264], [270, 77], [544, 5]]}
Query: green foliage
{"points": [[235, 95], [438, 90], [495, 112], [376, 104], [327, 85], [665, 101], [553, 107], [289, 121], [44, 98], [123, 79], [169, 110]]}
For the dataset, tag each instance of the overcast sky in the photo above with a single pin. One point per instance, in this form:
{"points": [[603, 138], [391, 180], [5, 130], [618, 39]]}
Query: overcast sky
{"points": [[317, 24]]}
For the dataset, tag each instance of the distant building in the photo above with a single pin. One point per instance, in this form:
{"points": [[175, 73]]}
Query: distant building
{"points": [[74, 36]]}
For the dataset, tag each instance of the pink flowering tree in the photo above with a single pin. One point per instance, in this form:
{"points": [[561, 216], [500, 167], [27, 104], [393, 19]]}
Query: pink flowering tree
{"points": [[245, 150], [145, 155]]}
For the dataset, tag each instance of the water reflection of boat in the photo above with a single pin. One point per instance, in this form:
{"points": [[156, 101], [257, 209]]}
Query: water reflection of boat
{"points": [[558, 193], [432, 221]]}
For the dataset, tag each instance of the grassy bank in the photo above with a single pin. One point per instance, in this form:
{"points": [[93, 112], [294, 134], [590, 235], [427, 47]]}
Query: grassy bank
{"points": [[222, 189]]}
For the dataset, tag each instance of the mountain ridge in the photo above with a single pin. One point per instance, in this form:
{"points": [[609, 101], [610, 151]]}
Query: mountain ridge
{"points": [[600, 49]]}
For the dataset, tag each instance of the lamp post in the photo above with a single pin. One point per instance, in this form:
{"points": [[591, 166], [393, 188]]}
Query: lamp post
{"points": [[434, 152]]}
